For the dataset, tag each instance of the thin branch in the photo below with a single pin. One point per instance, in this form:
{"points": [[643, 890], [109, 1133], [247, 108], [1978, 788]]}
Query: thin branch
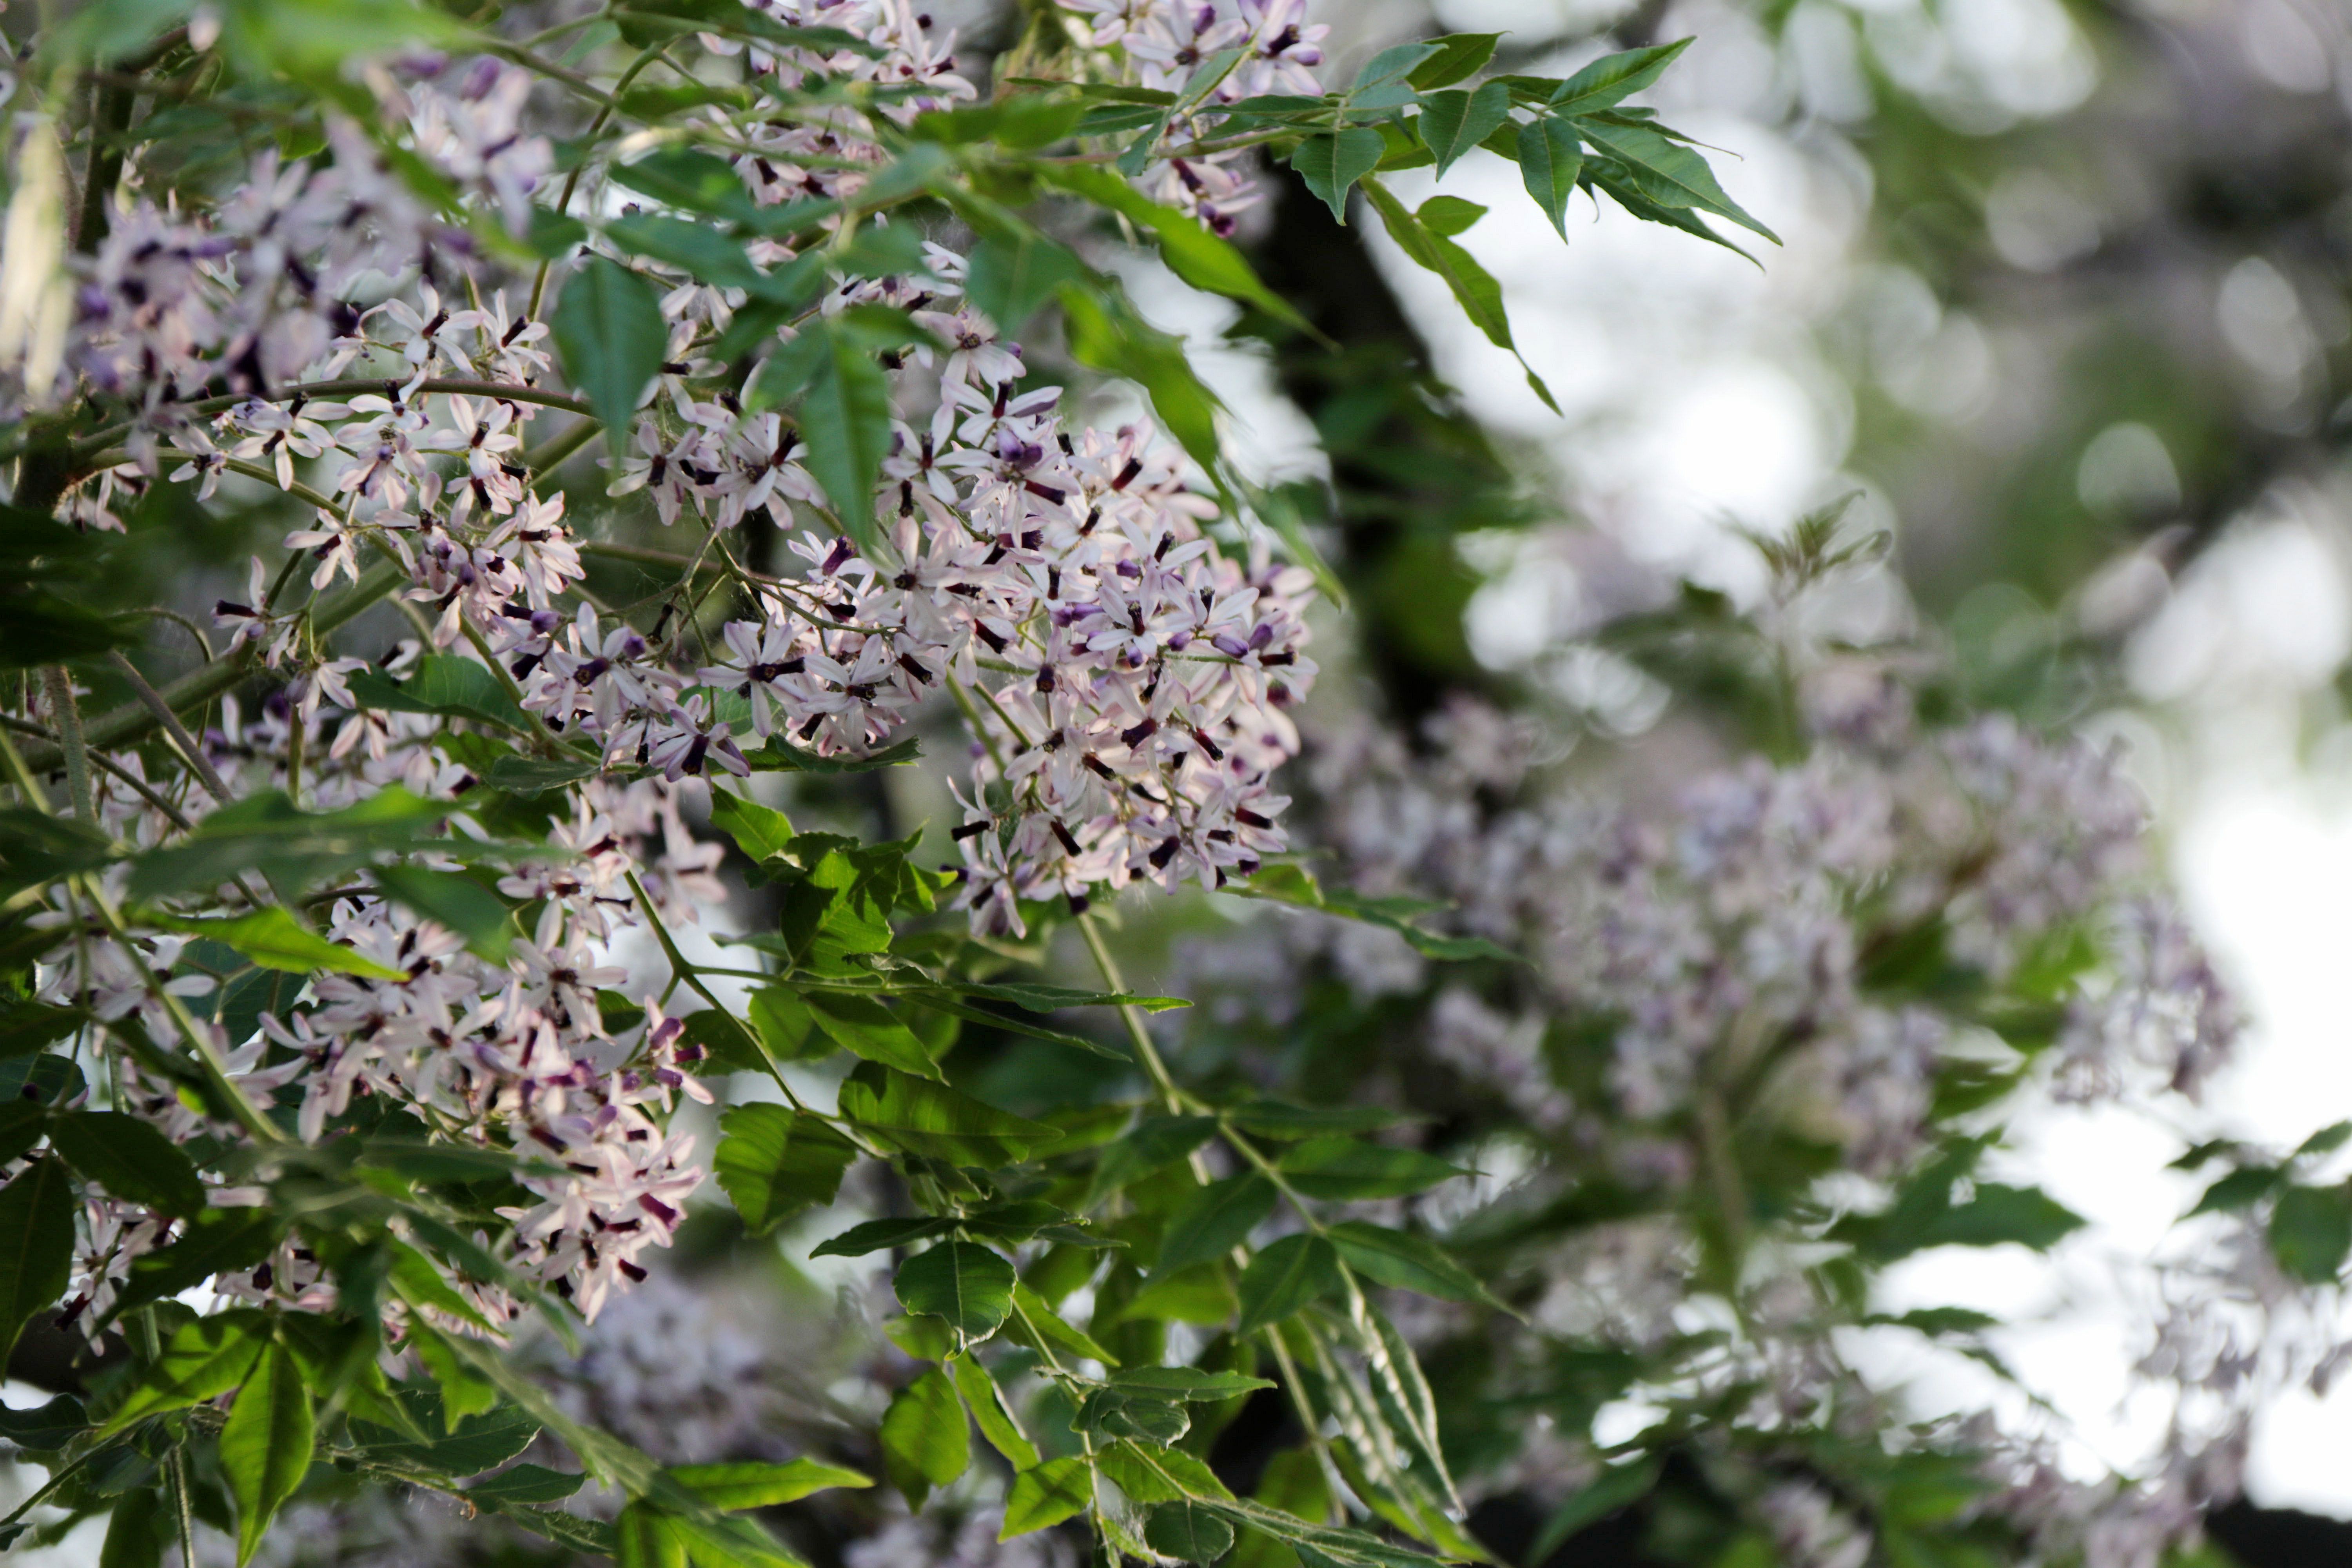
{"points": [[190, 752]]}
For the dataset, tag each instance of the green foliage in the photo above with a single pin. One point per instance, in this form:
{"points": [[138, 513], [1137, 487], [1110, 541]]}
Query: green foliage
{"points": [[609, 326], [36, 1236], [266, 1445], [274, 940], [773, 1163], [1048, 1494], [967, 1286], [130, 1158], [926, 1440], [1286, 1277]]}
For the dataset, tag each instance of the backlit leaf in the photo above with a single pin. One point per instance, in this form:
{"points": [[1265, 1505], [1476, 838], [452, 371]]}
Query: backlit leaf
{"points": [[926, 1440], [264, 1450], [968, 1285], [1046, 1495], [37, 1239], [773, 1162], [1215, 1220]]}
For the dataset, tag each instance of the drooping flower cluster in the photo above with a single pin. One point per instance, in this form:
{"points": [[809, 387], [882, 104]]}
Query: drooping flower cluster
{"points": [[515, 1056], [1766, 910]]}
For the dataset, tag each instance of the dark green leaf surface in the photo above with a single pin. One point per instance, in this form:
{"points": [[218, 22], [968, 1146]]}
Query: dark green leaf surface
{"points": [[962, 1283], [609, 329]]}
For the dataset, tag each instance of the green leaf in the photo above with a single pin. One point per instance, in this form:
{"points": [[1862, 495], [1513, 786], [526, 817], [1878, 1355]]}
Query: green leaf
{"points": [[37, 1238], [649, 1539], [2326, 1141], [750, 1484], [693, 180], [986, 1401], [1048, 1494], [874, 1235], [1187, 1385], [264, 1450], [1187, 1531], [1215, 1220], [785, 1026], [1035, 1324], [1160, 1475], [1201, 1293], [1286, 1275], [699, 249], [726, 1044], [962, 1282], [1474, 290], [773, 1162], [1449, 215], [930, 1119], [203, 1360], [27, 1027], [925, 1441], [1153, 1143], [781, 756], [38, 626], [537, 776], [455, 900], [130, 1158], [36, 1082], [2240, 1189], [1614, 77], [609, 329], [1332, 162], [1013, 272], [590, 1537], [1406, 1262], [273, 939], [1296, 885], [36, 847], [923, 1338], [1106, 333], [760, 831], [1454, 122], [1666, 172], [1193, 252], [23, 1122], [2311, 1231], [863, 1026], [523, 1484], [1394, 64], [1342, 1168], [1459, 57], [448, 686], [469, 1445], [44, 1428], [844, 407], [1924, 1215], [1550, 160]]}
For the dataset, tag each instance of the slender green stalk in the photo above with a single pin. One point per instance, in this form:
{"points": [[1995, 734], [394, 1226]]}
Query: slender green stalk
{"points": [[190, 752], [66, 714], [128, 724]]}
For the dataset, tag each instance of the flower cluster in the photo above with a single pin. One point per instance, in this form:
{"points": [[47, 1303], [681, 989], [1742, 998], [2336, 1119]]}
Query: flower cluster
{"points": [[1125, 678], [1162, 44], [1765, 913]]}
